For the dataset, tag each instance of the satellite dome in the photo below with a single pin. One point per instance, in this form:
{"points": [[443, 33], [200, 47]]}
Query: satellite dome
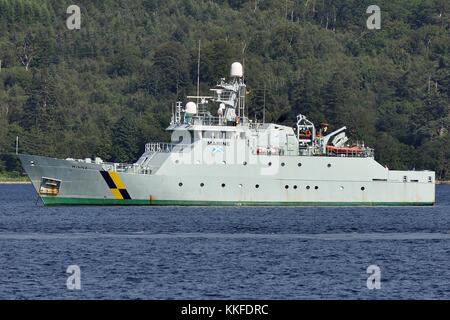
{"points": [[237, 70], [191, 107]]}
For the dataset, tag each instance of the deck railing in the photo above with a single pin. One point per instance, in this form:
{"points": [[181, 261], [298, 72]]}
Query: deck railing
{"points": [[165, 147]]}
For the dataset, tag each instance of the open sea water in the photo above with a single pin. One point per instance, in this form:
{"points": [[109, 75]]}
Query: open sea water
{"points": [[222, 252]]}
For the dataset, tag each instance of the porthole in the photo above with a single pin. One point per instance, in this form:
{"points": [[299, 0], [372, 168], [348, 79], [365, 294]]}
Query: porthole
{"points": [[363, 188], [286, 187], [244, 163], [295, 187], [299, 164], [180, 184], [269, 164], [341, 187], [223, 185], [308, 187], [202, 184], [283, 164], [257, 186], [316, 187], [224, 162], [329, 165], [240, 185], [177, 161]]}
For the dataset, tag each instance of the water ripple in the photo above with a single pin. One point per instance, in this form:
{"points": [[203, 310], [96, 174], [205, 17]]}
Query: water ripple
{"points": [[237, 236]]}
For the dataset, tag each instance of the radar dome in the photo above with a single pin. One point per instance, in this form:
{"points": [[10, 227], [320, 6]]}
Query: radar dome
{"points": [[191, 107], [237, 70]]}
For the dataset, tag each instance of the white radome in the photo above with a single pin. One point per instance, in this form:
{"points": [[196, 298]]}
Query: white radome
{"points": [[237, 70], [191, 107]]}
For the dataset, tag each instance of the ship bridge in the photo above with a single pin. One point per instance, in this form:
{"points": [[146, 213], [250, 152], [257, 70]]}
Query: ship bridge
{"points": [[219, 120]]}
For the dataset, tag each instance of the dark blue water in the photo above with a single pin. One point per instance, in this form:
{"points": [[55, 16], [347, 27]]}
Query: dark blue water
{"points": [[222, 253]]}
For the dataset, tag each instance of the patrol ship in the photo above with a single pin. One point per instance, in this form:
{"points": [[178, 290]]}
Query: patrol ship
{"points": [[227, 159]]}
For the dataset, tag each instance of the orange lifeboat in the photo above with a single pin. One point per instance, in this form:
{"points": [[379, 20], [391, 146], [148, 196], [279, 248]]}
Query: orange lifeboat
{"points": [[345, 150]]}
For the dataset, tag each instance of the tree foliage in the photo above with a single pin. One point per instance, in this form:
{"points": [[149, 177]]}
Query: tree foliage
{"points": [[109, 87]]}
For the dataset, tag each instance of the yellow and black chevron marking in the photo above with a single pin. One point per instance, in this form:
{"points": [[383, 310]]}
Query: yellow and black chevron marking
{"points": [[116, 185]]}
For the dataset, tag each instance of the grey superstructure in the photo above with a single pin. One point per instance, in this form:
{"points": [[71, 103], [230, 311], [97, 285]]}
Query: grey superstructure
{"points": [[226, 159]]}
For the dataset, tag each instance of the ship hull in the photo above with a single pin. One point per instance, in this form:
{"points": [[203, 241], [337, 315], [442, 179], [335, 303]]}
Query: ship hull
{"points": [[364, 183]]}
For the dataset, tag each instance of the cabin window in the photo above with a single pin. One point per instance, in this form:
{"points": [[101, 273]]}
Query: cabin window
{"points": [[202, 184], [363, 188], [286, 187], [316, 187], [283, 164], [269, 164], [329, 165], [299, 164], [223, 185], [180, 184], [257, 186], [308, 187], [295, 187]]}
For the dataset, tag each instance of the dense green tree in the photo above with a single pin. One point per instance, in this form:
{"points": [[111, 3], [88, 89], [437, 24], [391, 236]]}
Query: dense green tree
{"points": [[109, 88]]}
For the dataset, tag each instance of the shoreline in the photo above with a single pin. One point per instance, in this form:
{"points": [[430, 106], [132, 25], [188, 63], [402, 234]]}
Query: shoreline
{"points": [[15, 182]]}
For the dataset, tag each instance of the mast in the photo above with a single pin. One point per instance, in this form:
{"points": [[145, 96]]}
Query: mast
{"points": [[198, 70], [264, 104]]}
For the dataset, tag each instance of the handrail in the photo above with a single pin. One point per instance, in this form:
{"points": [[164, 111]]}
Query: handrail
{"points": [[165, 147]]}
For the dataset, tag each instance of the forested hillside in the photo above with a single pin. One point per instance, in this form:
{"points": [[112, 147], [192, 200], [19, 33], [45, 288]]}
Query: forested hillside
{"points": [[108, 88]]}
